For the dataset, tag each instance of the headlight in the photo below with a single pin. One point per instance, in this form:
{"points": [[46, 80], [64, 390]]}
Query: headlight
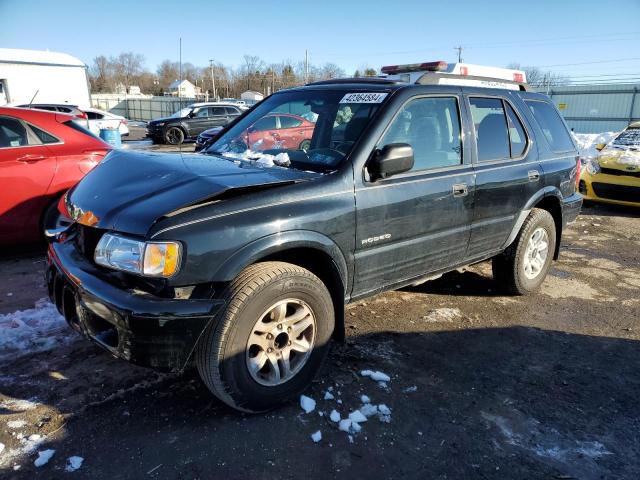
{"points": [[593, 167], [153, 259], [160, 124]]}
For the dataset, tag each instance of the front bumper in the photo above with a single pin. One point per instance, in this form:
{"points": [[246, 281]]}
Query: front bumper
{"points": [[613, 189], [136, 326]]}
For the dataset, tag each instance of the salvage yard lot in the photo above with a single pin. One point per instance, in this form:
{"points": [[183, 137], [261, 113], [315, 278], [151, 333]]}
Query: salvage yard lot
{"points": [[482, 385]]}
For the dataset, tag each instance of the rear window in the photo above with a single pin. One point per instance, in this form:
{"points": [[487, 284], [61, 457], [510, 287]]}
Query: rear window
{"points": [[76, 126], [552, 126]]}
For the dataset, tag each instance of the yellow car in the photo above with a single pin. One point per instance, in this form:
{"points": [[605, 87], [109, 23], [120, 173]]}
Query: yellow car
{"points": [[614, 176]]}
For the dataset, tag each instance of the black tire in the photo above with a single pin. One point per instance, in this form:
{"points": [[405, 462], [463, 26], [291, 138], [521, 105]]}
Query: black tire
{"points": [[305, 145], [509, 267], [174, 135], [222, 349]]}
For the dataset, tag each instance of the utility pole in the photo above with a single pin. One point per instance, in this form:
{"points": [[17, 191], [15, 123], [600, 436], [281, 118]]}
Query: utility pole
{"points": [[306, 66], [213, 81], [459, 49], [180, 82]]}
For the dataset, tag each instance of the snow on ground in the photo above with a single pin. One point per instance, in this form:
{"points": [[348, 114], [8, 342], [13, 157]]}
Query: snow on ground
{"points": [[32, 330], [442, 315], [15, 424], [1, 448], [18, 405], [308, 404], [43, 457], [73, 463], [587, 142], [376, 376], [317, 436]]}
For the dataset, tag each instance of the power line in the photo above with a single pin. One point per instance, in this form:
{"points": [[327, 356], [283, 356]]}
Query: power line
{"points": [[615, 60]]}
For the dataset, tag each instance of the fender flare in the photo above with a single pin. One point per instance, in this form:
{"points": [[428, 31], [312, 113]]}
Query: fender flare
{"points": [[280, 242], [548, 191]]}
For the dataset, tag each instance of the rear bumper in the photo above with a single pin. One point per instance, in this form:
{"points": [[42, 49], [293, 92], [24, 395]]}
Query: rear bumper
{"points": [[141, 328], [571, 208]]}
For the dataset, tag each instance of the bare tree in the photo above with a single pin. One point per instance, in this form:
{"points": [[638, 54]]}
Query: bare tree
{"points": [[539, 78], [128, 67]]}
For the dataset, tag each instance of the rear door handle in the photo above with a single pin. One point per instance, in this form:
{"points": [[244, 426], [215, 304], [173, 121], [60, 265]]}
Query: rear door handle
{"points": [[460, 190], [533, 175], [31, 158]]}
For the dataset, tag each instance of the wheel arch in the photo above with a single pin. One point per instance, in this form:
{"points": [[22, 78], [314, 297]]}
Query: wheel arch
{"points": [[549, 199], [311, 250]]}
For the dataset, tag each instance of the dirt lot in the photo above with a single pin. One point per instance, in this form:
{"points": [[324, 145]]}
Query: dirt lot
{"points": [[482, 385]]}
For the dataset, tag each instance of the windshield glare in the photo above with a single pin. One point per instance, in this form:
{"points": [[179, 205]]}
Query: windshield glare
{"points": [[630, 138], [181, 113], [307, 129]]}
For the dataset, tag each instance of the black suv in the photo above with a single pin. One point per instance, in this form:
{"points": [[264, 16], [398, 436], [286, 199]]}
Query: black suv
{"points": [[241, 259], [189, 122]]}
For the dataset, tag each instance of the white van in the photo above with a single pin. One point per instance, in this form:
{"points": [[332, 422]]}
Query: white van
{"points": [[42, 77]]}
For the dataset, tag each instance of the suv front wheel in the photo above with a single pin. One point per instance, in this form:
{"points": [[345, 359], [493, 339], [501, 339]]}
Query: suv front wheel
{"points": [[174, 136], [523, 266], [271, 339]]}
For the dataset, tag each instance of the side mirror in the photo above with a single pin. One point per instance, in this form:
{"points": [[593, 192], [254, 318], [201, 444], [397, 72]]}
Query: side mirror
{"points": [[393, 159], [191, 114], [600, 146]]}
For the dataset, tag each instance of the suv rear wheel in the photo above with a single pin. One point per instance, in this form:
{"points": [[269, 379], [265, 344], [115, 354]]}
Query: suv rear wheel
{"points": [[174, 136], [270, 341], [523, 266]]}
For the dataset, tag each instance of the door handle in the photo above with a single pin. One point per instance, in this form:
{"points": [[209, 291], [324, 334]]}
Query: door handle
{"points": [[533, 175], [31, 158], [460, 190]]}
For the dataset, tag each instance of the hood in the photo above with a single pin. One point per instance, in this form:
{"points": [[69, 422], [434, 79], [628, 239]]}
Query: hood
{"points": [[627, 160], [129, 191], [164, 119]]}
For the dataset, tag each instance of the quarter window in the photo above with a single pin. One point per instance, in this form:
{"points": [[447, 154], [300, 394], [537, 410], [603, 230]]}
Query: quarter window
{"points": [[552, 126], [218, 111], [431, 125], [517, 137], [44, 136]]}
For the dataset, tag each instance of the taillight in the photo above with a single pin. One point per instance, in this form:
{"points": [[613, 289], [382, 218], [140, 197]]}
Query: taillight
{"points": [[578, 170]]}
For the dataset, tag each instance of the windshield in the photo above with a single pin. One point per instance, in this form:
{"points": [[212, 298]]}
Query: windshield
{"points": [[630, 138], [181, 113], [306, 129]]}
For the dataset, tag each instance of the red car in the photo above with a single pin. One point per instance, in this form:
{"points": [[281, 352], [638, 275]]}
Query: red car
{"points": [[42, 155], [280, 131]]}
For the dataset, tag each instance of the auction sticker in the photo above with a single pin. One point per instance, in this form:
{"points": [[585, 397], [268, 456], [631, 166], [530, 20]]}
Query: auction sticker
{"points": [[363, 97]]}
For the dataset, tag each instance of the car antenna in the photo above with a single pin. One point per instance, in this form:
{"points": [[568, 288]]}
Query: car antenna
{"points": [[33, 98]]}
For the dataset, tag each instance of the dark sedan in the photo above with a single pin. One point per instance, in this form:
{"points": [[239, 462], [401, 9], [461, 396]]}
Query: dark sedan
{"points": [[189, 122]]}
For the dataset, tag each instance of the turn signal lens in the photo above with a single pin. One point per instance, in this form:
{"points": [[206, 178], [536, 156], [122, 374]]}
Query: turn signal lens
{"points": [[161, 259]]}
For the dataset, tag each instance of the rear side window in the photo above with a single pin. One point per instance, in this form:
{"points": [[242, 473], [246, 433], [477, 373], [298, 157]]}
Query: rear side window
{"points": [[231, 110], [552, 126], [12, 133], [218, 111], [499, 132], [289, 122]]}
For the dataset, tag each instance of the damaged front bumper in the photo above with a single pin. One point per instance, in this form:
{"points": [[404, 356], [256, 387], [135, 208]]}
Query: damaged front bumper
{"points": [[136, 326]]}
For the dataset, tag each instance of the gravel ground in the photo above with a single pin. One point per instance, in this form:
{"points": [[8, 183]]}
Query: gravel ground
{"points": [[482, 385]]}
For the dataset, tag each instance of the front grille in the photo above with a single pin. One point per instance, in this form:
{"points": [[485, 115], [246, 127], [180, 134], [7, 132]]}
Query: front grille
{"points": [[620, 173], [622, 193], [87, 239]]}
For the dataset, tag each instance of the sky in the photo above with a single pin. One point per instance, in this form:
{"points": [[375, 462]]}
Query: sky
{"points": [[587, 39]]}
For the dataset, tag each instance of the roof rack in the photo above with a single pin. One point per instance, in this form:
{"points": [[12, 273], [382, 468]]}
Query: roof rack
{"points": [[374, 80], [437, 78]]}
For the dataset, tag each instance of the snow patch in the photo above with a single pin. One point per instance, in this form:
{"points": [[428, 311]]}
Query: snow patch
{"points": [[334, 416], [328, 396], [281, 159], [411, 389], [73, 463], [32, 330], [442, 315], [376, 376], [1, 447], [587, 142], [357, 416], [15, 424], [308, 404], [43, 457], [316, 437], [18, 405], [365, 399], [349, 426]]}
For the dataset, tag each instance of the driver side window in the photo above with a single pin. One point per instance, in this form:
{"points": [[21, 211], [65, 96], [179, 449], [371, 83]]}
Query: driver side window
{"points": [[202, 113], [431, 125]]}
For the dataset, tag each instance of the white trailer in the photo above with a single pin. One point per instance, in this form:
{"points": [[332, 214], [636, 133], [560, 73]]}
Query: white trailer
{"points": [[51, 77]]}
